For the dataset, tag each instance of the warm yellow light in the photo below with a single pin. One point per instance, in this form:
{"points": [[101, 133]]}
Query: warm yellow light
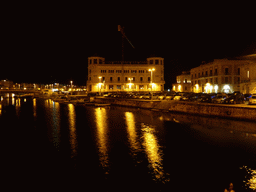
{"points": [[153, 69], [179, 88], [25, 88], [102, 135], [72, 129], [100, 84], [132, 134], [153, 152], [174, 88], [208, 88]]}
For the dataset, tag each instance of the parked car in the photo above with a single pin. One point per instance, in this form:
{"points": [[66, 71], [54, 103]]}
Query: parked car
{"points": [[219, 99], [252, 99], [235, 99]]}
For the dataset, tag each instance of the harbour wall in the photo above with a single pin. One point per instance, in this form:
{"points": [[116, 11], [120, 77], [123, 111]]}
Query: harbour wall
{"points": [[206, 109]]}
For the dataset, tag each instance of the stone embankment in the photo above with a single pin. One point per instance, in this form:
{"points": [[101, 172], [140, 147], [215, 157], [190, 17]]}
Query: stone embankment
{"points": [[207, 109]]}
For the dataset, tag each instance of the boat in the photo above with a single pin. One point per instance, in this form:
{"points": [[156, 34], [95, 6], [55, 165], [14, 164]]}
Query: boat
{"points": [[102, 104]]}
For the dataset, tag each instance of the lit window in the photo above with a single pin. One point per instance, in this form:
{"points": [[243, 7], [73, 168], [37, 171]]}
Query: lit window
{"points": [[248, 74]]}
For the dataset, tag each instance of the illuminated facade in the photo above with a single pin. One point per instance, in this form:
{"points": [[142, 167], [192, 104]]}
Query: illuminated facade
{"points": [[107, 76], [221, 75], [183, 82]]}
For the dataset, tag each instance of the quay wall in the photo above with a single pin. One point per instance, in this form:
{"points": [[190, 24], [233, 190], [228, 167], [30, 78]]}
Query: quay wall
{"points": [[207, 109]]}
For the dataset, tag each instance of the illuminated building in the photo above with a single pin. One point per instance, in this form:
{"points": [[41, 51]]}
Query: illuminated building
{"points": [[225, 75], [183, 82], [107, 76]]}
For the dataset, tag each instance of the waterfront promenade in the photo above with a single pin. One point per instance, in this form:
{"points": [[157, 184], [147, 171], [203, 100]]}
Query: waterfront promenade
{"points": [[237, 111]]}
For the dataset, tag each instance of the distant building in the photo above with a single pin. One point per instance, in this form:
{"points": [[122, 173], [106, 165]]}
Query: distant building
{"points": [[223, 75], [6, 84], [107, 76], [183, 82]]}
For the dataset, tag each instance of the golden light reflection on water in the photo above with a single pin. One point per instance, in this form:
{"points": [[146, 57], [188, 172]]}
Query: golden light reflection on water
{"points": [[34, 107], [131, 129], [53, 113], [153, 152], [72, 129], [55, 122], [250, 178], [101, 124]]}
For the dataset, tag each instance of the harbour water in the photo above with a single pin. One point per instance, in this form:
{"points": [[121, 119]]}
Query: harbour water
{"points": [[48, 145]]}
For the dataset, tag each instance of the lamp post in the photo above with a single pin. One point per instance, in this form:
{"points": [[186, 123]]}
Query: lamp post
{"points": [[71, 86], [130, 79], [99, 84], [151, 70]]}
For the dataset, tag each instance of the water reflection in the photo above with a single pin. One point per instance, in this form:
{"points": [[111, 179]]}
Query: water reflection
{"points": [[132, 135], [72, 129], [53, 122], [250, 178], [34, 107], [153, 152], [101, 124]]}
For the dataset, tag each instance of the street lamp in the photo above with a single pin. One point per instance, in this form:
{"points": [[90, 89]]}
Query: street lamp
{"points": [[99, 87], [130, 79], [71, 86], [151, 70]]}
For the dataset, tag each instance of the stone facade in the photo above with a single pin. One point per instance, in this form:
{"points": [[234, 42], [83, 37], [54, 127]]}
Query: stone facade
{"points": [[108, 76], [225, 75], [183, 82]]}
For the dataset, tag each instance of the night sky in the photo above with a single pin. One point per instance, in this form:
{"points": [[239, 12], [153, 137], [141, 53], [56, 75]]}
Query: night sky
{"points": [[51, 43]]}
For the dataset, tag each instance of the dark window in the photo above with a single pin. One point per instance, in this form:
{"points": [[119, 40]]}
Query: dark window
{"points": [[95, 61], [210, 72], [111, 86], [226, 71], [151, 61], [111, 78], [148, 78], [100, 61], [216, 72], [141, 78], [133, 78], [126, 78], [118, 78], [157, 62]]}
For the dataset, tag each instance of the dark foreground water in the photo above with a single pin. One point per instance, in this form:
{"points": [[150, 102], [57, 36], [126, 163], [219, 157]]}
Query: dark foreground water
{"points": [[51, 146]]}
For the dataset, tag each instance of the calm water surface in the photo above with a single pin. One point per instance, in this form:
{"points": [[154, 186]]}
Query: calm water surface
{"points": [[55, 146]]}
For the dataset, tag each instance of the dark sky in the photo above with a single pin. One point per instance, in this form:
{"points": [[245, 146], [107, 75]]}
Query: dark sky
{"points": [[51, 43]]}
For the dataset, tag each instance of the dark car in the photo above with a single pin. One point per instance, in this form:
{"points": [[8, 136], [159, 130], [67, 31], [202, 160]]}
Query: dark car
{"points": [[235, 99]]}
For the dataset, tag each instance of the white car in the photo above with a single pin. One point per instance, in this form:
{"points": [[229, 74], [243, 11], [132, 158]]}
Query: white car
{"points": [[252, 99]]}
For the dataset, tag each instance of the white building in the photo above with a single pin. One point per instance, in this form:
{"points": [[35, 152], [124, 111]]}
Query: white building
{"points": [[225, 75], [107, 76]]}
